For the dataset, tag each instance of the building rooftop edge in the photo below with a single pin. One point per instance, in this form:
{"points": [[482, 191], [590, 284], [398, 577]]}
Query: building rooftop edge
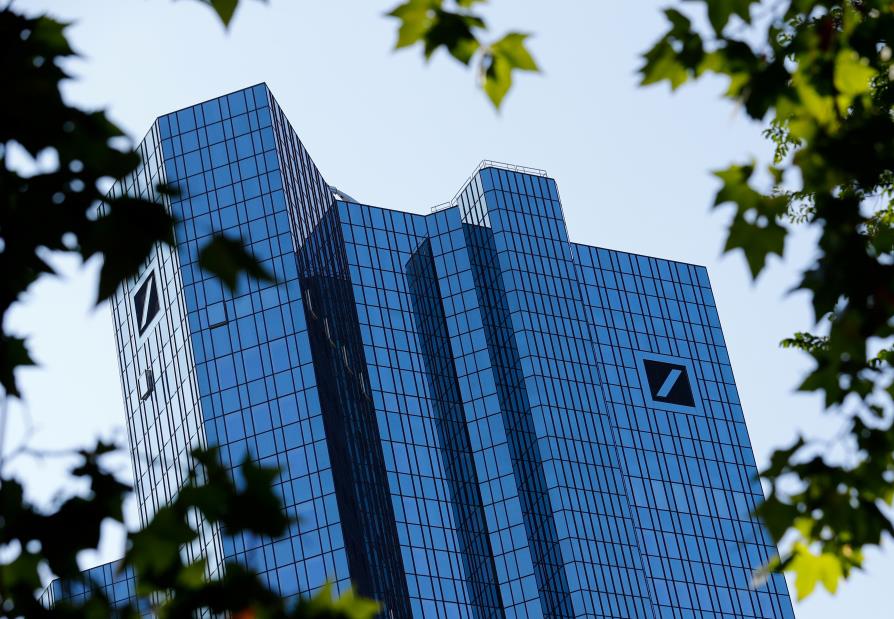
{"points": [[226, 94], [482, 165]]}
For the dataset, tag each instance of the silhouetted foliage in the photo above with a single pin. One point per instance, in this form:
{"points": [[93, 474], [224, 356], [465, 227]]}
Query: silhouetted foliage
{"points": [[57, 161], [171, 584], [58, 209]]}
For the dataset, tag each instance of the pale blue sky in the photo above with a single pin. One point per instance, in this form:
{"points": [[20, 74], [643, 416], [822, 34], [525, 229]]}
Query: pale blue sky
{"points": [[631, 164]]}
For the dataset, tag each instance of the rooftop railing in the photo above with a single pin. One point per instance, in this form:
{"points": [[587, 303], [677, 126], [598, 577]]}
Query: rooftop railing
{"points": [[487, 163]]}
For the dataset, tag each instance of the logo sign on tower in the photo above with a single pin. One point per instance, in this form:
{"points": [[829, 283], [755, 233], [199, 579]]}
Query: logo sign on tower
{"points": [[668, 382], [146, 303]]}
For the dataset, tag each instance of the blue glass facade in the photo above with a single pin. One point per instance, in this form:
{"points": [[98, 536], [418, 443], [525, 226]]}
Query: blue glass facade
{"points": [[473, 416], [112, 580]]}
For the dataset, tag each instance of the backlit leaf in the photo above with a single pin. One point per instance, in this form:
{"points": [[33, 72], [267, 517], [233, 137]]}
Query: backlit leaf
{"points": [[502, 58], [853, 74], [812, 569]]}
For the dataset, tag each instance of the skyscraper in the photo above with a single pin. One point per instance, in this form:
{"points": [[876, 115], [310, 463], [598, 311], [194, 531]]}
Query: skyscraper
{"points": [[472, 415]]}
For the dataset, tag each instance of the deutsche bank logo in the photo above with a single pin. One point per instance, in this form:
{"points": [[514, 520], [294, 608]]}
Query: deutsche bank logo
{"points": [[146, 303], [668, 382]]}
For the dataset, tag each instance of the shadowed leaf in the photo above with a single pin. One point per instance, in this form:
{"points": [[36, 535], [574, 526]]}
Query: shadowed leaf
{"points": [[124, 235], [720, 11], [14, 355], [225, 9], [227, 259]]}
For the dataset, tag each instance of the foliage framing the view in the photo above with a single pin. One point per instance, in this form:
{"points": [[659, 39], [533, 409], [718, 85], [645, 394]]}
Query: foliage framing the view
{"points": [[817, 73], [55, 207], [171, 586], [57, 161], [457, 28], [820, 75]]}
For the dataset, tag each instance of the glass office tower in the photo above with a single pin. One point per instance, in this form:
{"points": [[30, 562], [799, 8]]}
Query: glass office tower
{"points": [[472, 415]]}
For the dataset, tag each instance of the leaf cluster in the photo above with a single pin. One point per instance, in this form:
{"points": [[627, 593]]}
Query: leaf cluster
{"points": [[436, 24], [169, 582], [50, 539], [56, 162]]}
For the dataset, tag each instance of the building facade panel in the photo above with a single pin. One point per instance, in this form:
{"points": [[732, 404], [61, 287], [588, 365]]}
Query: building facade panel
{"points": [[112, 580], [471, 415], [159, 377], [380, 246], [689, 468], [487, 417], [578, 516], [256, 376]]}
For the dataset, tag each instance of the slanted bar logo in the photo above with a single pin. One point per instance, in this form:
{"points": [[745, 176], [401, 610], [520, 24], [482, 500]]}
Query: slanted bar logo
{"points": [[668, 382], [146, 303]]}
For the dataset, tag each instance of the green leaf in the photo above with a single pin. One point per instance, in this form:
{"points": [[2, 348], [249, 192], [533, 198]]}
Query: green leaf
{"points": [[502, 58], [755, 228], [227, 258], [427, 22], [853, 75], [807, 342], [454, 31], [24, 571], [719, 12], [416, 19], [820, 107], [677, 56], [49, 35], [192, 576], [661, 65], [155, 550], [512, 48], [348, 605], [811, 569]]}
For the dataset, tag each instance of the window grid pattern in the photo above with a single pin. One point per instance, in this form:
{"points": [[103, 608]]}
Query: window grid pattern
{"points": [[379, 245], [691, 474], [253, 360], [456, 444], [570, 431], [358, 461], [515, 405], [158, 374], [454, 401], [490, 440], [119, 588]]}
